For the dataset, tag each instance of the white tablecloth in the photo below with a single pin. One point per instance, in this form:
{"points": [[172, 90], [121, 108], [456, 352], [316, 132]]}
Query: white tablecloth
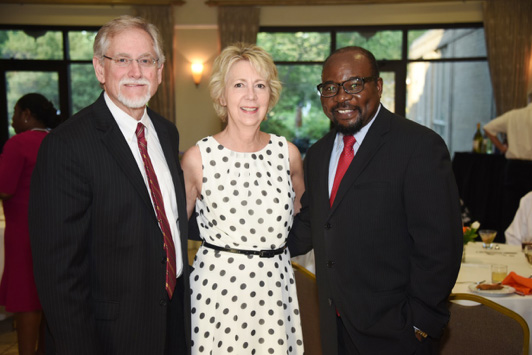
{"points": [[477, 266]]}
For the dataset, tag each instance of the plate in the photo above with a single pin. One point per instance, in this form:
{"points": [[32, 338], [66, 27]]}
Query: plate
{"points": [[505, 291]]}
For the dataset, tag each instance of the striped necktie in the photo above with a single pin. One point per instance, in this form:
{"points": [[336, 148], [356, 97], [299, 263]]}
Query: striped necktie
{"points": [[158, 203]]}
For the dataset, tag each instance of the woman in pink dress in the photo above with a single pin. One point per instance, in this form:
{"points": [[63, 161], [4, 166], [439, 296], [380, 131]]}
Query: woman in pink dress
{"points": [[34, 116]]}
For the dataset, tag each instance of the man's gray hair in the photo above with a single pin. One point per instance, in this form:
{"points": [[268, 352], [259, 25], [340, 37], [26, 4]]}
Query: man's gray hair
{"points": [[124, 23]]}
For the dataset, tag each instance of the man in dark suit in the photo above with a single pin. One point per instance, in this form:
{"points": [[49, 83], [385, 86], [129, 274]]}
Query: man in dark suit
{"points": [[388, 245], [108, 222]]}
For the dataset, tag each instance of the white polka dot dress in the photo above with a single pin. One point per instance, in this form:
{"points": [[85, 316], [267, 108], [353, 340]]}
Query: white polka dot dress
{"points": [[245, 304]]}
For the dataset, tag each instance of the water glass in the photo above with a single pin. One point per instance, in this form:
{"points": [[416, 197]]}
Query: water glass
{"points": [[498, 273]]}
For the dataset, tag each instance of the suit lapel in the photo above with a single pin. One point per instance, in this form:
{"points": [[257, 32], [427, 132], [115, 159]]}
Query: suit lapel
{"points": [[118, 148], [374, 139], [323, 166]]}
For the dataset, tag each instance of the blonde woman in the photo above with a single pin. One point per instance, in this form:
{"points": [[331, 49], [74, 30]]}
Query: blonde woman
{"points": [[245, 185]]}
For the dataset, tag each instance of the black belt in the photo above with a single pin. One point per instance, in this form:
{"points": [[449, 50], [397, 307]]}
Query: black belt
{"points": [[260, 253]]}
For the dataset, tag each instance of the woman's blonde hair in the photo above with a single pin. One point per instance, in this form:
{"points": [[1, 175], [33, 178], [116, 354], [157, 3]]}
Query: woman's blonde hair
{"points": [[259, 59]]}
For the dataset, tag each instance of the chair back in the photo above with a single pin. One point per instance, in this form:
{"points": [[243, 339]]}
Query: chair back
{"points": [[307, 294], [484, 327]]}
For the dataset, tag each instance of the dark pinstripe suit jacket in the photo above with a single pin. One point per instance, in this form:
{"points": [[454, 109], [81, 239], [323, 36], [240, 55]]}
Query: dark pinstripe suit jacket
{"points": [[97, 248], [388, 251]]}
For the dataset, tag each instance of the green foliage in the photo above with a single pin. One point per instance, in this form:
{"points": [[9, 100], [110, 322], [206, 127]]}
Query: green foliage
{"points": [[298, 115], [295, 47], [31, 45], [80, 44], [383, 44], [84, 86]]}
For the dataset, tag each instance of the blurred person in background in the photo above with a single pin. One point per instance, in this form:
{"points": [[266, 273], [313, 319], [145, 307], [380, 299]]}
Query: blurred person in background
{"points": [[517, 126], [520, 230], [33, 118]]}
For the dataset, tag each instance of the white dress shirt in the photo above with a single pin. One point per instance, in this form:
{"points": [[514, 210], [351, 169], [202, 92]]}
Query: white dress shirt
{"points": [[338, 147], [517, 125], [521, 226], [128, 125]]}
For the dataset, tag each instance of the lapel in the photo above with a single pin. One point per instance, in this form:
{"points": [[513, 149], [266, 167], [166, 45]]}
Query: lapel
{"points": [[322, 167], [374, 139], [116, 145]]}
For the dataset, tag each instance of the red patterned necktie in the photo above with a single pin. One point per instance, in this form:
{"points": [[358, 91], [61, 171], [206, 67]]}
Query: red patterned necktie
{"points": [[157, 199], [343, 163]]}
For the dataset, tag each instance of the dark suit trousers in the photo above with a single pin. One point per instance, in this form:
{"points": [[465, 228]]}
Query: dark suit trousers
{"points": [[175, 325], [347, 347]]}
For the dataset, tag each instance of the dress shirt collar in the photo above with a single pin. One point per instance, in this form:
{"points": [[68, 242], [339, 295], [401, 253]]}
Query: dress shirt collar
{"points": [[359, 136], [126, 123]]}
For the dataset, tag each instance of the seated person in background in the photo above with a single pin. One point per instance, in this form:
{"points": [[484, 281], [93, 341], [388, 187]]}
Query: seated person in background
{"points": [[521, 226]]}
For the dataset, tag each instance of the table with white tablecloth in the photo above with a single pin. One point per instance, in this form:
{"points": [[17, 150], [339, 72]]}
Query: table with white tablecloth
{"points": [[477, 267]]}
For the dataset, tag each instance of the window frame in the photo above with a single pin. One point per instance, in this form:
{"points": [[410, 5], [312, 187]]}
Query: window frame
{"points": [[61, 66], [398, 66]]}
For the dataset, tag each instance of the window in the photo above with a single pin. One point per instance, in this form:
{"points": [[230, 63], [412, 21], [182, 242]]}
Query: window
{"points": [[53, 61], [435, 75]]}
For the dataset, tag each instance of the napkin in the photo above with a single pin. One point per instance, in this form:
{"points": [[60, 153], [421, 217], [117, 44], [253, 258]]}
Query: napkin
{"points": [[520, 283]]}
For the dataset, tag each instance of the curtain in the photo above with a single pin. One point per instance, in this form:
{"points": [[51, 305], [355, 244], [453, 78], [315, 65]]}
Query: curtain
{"points": [[163, 102], [238, 24], [508, 30]]}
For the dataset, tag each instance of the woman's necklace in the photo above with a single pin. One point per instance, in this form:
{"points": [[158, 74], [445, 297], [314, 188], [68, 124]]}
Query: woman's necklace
{"points": [[39, 129]]}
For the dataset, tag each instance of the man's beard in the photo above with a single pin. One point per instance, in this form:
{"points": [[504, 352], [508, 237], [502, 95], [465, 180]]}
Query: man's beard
{"points": [[137, 102], [352, 128]]}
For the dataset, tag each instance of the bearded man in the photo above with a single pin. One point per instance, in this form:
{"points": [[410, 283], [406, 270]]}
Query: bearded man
{"points": [[382, 212], [108, 222]]}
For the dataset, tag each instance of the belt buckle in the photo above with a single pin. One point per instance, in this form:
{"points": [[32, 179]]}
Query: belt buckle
{"points": [[267, 253]]}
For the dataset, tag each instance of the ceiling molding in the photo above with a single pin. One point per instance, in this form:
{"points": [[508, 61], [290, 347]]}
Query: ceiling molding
{"points": [[312, 2], [96, 2]]}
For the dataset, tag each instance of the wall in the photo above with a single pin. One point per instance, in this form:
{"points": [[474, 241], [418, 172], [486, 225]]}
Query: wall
{"points": [[197, 38]]}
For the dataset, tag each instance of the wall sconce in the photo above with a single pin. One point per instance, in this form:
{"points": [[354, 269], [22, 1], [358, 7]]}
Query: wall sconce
{"points": [[197, 71]]}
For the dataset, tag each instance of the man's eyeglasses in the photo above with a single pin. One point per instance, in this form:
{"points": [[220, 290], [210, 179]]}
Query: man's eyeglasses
{"points": [[145, 62], [352, 85]]}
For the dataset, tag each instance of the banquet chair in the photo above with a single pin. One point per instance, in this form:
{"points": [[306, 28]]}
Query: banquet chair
{"points": [[484, 327], [307, 294]]}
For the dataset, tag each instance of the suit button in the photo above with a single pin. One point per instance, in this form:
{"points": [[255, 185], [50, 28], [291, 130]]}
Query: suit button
{"points": [[162, 303], [163, 261], [330, 301], [330, 264], [328, 225]]}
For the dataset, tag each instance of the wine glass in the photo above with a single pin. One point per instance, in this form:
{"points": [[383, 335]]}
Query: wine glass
{"points": [[528, 253], [487, 235]]}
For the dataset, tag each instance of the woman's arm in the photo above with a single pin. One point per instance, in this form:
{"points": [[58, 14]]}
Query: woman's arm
{"points": [[296, 174], [193, 173]]}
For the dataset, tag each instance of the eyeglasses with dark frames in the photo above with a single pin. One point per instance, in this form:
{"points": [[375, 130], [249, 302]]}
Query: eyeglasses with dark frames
{"points": [[352, 85], [145, 62]]}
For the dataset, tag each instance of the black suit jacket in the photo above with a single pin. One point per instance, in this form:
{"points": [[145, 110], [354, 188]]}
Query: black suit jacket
{"points": [[98, 251], [388, 251]]}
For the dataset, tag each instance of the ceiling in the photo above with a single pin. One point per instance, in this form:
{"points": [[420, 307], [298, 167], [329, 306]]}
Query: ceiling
{"points": [[219, 2]]}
